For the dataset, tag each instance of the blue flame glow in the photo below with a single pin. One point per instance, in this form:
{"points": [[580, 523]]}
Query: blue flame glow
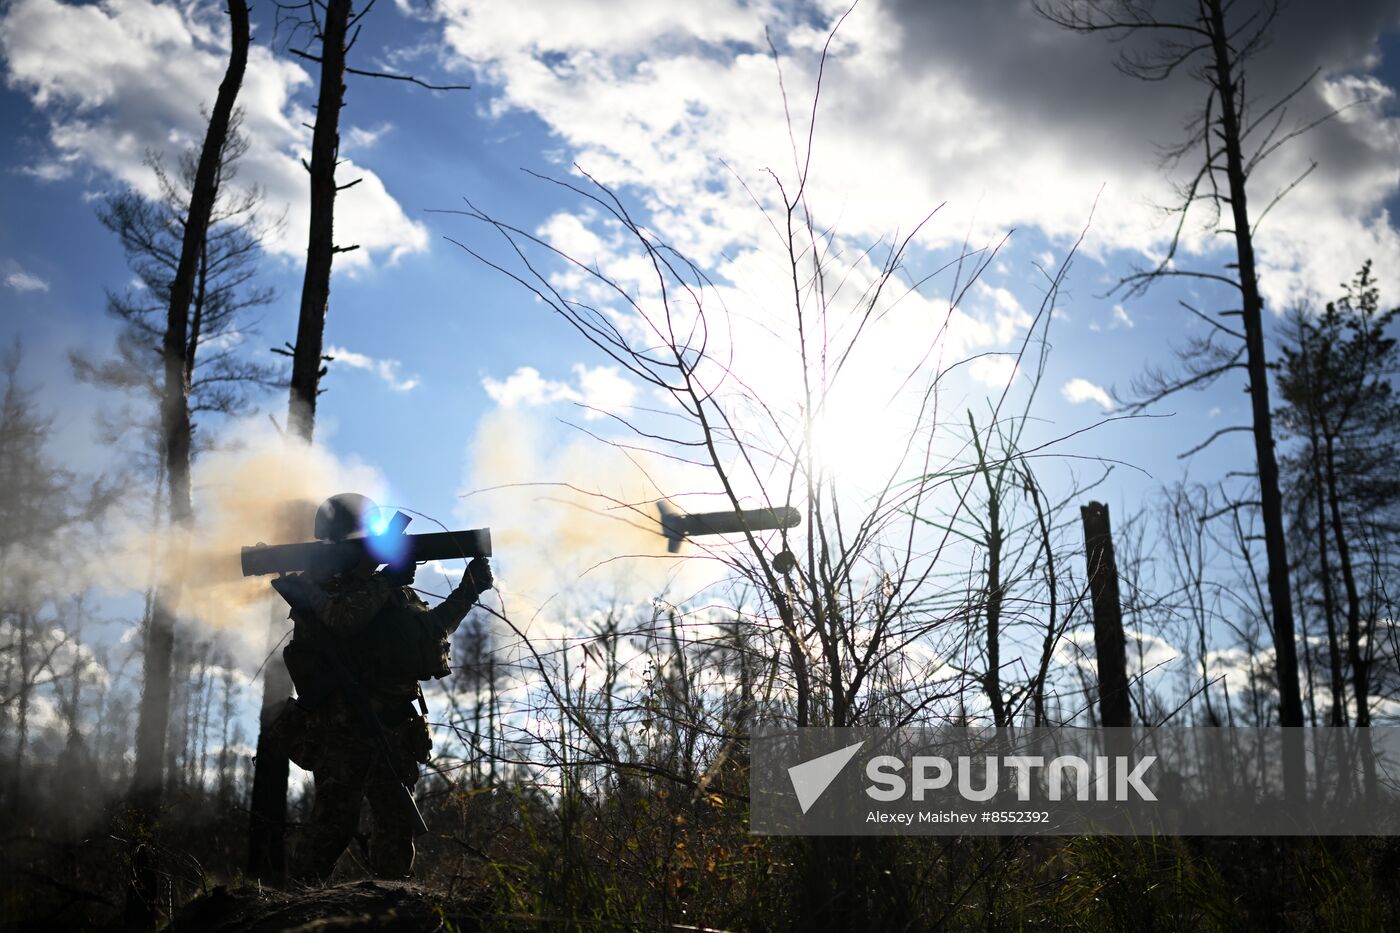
{"points": [[383, 545], [378, 521]]}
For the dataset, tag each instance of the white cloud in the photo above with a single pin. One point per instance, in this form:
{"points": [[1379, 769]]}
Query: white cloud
{"points": [[54, 169], [359, 137], [659, 102], [527, 388], [226, 340], [1009, 315], [646, 95], [601, 390], [1079, 390], [388, 370], [1145, 653], [1239, 671], [604, 390], [679, 109], [145, 70], [995, 372], [22, 281], [682, 109], [1120, 316]]}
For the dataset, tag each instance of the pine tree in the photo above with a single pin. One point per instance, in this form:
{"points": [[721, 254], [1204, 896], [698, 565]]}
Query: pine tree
{"points": [[1334, 377]]}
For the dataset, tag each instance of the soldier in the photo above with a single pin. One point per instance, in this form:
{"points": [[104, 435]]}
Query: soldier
{"points": [[363, 639]]}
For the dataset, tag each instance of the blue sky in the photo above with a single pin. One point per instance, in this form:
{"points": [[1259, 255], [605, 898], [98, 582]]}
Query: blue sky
{"points": [[997, 116]]}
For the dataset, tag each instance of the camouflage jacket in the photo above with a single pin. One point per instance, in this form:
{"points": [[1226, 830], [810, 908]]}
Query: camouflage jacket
{"points": [[352, 611]]}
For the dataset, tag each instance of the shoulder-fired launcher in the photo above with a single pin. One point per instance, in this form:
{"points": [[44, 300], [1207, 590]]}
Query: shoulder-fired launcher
{"points": [[391, 546]]}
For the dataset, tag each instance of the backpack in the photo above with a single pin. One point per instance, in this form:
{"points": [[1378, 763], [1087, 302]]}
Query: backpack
{"points": [[402, 643]]}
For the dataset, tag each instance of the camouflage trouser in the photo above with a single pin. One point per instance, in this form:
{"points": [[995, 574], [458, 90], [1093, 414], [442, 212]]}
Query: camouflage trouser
{"points": [[347, 773]]}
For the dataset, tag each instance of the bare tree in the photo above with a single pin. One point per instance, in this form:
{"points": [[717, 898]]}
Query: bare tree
{"points": [[335, 25], [176, 446], [222, 377], [1190, 553], [849, 602], [1230, 136], [41, 505]]}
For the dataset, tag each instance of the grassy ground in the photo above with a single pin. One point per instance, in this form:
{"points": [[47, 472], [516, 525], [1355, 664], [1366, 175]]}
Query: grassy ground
{"points": [[656, 860]]}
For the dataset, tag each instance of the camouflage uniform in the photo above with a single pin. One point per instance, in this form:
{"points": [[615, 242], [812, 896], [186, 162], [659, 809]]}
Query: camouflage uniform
{"points": [[349, 763]]}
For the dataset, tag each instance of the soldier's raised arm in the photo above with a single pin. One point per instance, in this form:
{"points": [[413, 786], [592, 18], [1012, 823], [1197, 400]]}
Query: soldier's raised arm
{"points": [[451, 611]]}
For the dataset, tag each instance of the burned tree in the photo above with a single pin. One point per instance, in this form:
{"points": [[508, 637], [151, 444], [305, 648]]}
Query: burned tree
{"points": [[223, 378], [335, 25], [176, 446], [1109, 645], [1229, 136], [307, 363]]}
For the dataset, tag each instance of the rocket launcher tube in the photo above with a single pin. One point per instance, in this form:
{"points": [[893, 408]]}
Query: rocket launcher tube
{"points": [[331, 556]]}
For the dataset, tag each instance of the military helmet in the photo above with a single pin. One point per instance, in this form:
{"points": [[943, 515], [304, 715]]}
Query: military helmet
{"points": [[343, 516]]}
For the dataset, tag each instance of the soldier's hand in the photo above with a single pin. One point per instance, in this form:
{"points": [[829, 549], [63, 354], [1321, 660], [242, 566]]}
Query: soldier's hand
{"points": [[300, 593], [400, 576], [479, 575]]}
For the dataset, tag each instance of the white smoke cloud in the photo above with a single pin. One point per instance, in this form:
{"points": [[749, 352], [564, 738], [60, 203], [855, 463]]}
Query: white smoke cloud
{"points": [[574, 521], [256, 488]]}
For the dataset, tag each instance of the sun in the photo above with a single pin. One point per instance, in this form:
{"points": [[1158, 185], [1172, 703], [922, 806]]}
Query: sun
{"points": [[860, 445]]}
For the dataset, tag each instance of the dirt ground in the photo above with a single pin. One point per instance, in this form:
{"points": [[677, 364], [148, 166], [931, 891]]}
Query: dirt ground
{"points": [[395, 907]]}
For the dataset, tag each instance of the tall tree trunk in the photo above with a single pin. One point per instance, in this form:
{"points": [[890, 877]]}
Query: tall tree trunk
{"points": [[154, 718], [320, 244], [1047, 648], [797, 653], [491, 719], [1275, 546], [197, 311], [1360, 683], [17, 794], [267, 845], [267, 829], [995, 593], [1110, 650], [225, 757], [1329, 599], [1309, 675], [995, 597]]}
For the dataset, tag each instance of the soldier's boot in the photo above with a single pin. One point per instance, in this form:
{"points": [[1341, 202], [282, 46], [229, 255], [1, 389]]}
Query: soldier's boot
{"points": [[335, 815], [391, 857], [391, 843]]}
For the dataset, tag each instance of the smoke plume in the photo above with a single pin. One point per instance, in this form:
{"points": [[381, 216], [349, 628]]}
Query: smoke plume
{"points": [[257, 488], [572, 520]]}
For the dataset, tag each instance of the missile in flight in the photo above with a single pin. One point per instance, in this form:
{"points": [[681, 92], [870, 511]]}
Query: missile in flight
{"points": [[677, 526]]}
